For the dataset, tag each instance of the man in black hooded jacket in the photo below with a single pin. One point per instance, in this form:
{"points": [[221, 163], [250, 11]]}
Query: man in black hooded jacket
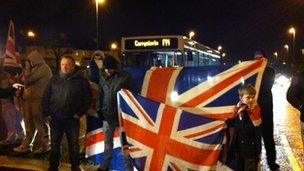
{"points": [[112, 80]]}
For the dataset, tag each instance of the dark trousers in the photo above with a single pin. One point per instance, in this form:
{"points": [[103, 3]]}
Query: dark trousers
{"points": [[109, 138], [267, 134], [247, 164], [69, 126]]}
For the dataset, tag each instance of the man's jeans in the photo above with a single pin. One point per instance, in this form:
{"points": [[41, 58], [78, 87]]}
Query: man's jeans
{"points": [[109, 137], [69, 126]]}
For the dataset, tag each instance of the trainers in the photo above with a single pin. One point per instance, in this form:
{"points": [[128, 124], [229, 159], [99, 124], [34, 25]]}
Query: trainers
{"points": [[22, 149], [42, 150]]}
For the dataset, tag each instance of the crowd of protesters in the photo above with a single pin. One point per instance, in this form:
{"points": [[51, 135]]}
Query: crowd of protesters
{"points": [[59, 101]]}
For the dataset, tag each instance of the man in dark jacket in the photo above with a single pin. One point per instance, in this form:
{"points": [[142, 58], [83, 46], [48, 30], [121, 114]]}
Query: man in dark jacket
{"points": [[266, 104], [66, 98], [111, 81], [295, 96]]}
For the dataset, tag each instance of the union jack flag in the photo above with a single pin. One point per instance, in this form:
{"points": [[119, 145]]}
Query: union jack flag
{"points": [[12, 62], [177, 123], [163, 137], [95, 147]]}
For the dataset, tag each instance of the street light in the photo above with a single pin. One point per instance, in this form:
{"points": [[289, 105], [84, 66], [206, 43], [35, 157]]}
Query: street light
{"points": [[286, 47], [219, 48], [113, 46], [191, 34], [114, 50], [292, 31], [31, 34], [276, 54], [97, 25]]}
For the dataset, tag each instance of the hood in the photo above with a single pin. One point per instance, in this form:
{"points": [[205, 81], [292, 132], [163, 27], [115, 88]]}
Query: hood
{"points": [[36, 58], [99, 53]]}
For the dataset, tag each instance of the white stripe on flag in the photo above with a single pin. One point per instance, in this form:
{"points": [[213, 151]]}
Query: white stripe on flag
{"points": [[95, 131], [99, 147]]}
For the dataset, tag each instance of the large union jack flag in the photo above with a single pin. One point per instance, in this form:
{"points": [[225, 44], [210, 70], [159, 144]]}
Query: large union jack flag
{"points": [[177, 122], [162, 137]]}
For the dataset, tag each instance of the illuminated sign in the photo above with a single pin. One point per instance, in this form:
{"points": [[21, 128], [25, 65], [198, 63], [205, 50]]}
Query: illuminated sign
{"points": [[157, 43], [146, 43], [166, 42]]}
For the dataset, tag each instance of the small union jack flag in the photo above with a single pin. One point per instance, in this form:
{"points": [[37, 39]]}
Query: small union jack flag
{"points": [[12, 62], [94, 144]]}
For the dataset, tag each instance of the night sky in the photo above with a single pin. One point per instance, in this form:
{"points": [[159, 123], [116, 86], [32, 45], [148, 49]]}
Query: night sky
{"points": [[240, 26]]}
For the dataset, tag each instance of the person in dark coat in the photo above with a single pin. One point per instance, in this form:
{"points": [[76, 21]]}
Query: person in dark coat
{"points": [[111, 81], [65, 99], [266, 104], [295, 96], [96, 65]]}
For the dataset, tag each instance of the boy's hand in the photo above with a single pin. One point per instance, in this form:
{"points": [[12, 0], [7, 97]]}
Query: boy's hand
{"points": [[242, 108], [18, 86]]}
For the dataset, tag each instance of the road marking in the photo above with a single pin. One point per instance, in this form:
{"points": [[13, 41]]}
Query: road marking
{"points": [[292, 159]]}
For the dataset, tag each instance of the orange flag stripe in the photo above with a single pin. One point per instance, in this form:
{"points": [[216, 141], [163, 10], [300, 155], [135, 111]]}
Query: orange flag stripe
{"points": [[158, 85]]}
